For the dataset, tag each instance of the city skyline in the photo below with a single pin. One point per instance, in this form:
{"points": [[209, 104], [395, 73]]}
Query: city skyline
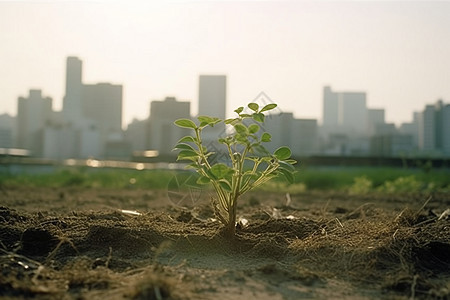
{"points": [[395, 52], [90, 124]]}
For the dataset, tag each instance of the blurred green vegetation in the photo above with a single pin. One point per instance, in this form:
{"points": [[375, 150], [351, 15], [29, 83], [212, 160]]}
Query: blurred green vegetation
{"points": [[91, 178], [349, 179], [375, 179]]}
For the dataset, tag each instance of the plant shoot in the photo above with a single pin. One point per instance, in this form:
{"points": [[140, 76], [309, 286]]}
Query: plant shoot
{"points": [[248, 163]]}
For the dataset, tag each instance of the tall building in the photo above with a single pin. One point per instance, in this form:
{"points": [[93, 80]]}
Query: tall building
{"points": [[427, 129], [301, 135], [60, 141], [281, 129], [345, 126], [33, 113], [375, 117], [305, 137], [136, 134], [352, 113], [91, 117], [72, 102], [345, 112], [163, 134], [7, 131], [212, 98], [434, 132], [330, 108], [412, 129], [212, 95], [446, 129], [102, 103]]}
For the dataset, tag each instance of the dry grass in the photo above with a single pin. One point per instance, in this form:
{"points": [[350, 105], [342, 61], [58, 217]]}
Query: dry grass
{"points": [[370, 246]]}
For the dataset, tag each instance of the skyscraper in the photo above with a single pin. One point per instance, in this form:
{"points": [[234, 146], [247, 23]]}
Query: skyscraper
{"points": [[301, 135], [374, 118], [345, 112], [352, 112], [412, 129], [163, 133], [72, 103], [102, 103], [446, 129], [32, 115], [330, 108], [92, 115], [212, 95], [7, 130], [212, 98], [434, 132], [427, 129]]}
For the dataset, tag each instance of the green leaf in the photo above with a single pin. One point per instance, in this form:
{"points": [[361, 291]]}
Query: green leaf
{"points": [[210, 174], [260, 150], [191, 158], [205, 120], [241, 139], [286, 166], [228, 140], [282, 153], [193, 165], [289, 176], [231, 121], [239, 110], [187, 154], [290, 161], [225, 185], [258, 117], [241, 129], [253, 106], [243, 116], [188, 138], [203, 180], [221, 170], [185, 123], [266, 137], [215, 121], [254, 128], [183, 146], [268, 107]]}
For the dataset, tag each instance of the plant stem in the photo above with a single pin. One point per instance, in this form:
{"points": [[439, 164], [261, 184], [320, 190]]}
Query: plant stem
{"points": [[264, 177], [244, 187]]}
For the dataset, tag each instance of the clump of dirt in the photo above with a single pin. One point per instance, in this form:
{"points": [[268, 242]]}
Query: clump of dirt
{"points": [[333, 246]]}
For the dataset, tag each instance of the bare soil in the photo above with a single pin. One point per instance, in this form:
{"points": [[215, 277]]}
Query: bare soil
{"points": [[137, 244]]}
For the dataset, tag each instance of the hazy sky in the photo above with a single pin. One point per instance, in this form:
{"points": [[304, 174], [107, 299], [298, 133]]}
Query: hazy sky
{"points": [[397, 52]]}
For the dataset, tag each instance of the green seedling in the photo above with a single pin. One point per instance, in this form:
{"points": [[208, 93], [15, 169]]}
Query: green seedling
{"points": [[248, 164]]}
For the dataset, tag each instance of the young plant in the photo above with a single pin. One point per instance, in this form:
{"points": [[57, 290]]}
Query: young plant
{"points": [[248, 164]]}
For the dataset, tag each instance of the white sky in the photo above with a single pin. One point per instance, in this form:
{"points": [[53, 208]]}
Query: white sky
{"points": [[397, 52]]}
